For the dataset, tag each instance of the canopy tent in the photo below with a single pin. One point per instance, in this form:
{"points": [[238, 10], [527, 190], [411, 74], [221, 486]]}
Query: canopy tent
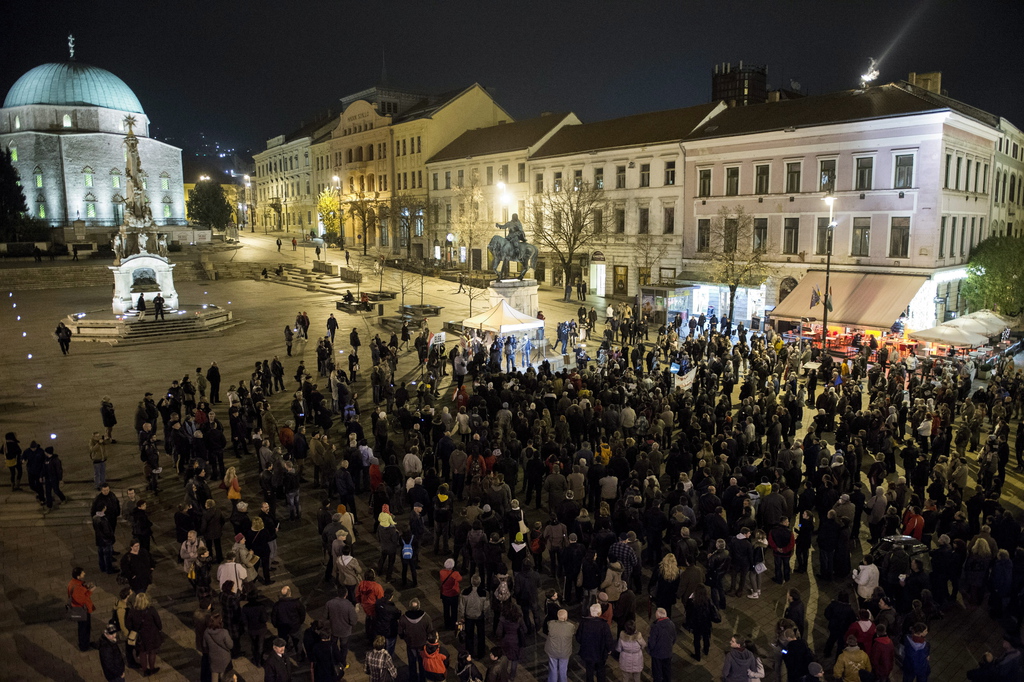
{"points": [[503, 319], [858, 300], [950, 336], [969, 324]]}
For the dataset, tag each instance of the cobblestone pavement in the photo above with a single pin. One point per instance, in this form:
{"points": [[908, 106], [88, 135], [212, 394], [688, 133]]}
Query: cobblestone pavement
{"points": [[51, 394]]}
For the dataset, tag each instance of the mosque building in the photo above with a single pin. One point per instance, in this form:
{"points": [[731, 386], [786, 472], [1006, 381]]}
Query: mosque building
{"points": [[64, 125]]}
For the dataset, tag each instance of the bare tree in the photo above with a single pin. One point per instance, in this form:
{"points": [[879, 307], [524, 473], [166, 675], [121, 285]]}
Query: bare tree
{"points": [[737, 252], [406, 211], [363, 207], [649, 251], [473, 293], [469, 223], [566, 221]]}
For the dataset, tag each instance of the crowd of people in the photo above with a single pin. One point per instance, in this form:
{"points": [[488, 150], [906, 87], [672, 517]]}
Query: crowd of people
{"points": [[564, 503]]}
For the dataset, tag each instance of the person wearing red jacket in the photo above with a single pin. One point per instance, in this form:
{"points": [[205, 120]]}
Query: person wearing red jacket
{"points": [[782, 541], [883, 654], [913, 523], [80, 596]]}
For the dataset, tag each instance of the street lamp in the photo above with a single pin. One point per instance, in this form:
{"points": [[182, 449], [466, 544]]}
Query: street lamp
{"points": [[341, 225], [830, 200], [248, 210]]}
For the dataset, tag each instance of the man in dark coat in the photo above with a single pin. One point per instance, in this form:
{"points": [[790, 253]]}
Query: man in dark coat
{"points": [[277, 667], [288, 616], [660, 640], [111, 658], [213, 376], [595, 640]]}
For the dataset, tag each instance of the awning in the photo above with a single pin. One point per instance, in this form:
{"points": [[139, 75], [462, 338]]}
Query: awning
{"points": [[858, 300]]}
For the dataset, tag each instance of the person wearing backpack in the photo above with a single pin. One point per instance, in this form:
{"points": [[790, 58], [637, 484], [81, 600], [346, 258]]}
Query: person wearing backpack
{"points": [[408, 557], [434, 660], [473, 606]]}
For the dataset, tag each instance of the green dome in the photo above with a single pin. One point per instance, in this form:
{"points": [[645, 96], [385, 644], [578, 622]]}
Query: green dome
{"points": [[73, 84]]}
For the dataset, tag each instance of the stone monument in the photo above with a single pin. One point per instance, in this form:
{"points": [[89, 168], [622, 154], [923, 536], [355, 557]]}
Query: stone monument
{"points": [[520, 293], [140, 252]]}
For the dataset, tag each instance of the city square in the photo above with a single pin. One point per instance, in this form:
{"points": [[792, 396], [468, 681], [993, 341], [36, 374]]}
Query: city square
{"points": [[612, 356]]}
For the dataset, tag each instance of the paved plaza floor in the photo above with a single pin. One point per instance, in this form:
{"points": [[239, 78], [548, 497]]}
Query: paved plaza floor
{"points": [[56, 400]]}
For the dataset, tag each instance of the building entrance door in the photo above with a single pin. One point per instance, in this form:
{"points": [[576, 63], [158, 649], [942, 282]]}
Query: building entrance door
{"points": [[621, 280]]}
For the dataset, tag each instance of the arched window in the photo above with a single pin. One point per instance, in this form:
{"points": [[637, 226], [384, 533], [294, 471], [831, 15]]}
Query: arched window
{"points": [[359, 153], [165, 181], [369, 152], [997, 186], [87, 176], [362, 183], [352, 185], [348, 156], [90, 206], [1013, 188], [37, 173], [67, 120], [17, 122], [786, 288]]}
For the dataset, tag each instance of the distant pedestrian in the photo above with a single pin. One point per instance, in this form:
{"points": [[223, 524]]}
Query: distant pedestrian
{"points": [[295, 244], [348, 258], [158, 307], [145, 620], [108, 416], [74, 252], [289, 336], [279, 245], [63, 334], [213, 376], [318, 253]]}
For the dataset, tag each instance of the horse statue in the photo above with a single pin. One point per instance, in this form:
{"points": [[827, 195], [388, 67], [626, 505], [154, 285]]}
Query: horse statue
{"points": [[503, 252]]}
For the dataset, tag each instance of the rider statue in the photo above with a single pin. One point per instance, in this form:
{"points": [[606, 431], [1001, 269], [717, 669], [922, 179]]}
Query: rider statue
{"points": [[515, 235]]}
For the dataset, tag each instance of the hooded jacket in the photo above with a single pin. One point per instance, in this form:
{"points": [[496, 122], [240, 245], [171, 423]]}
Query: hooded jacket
{"points": [[850, 663], [413, 627], [738, 663], [435, 662]]}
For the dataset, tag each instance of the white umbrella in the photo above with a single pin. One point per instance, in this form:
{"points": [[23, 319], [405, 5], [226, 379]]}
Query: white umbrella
{"points": [[950, 336], [995, 323], [969, 324]]}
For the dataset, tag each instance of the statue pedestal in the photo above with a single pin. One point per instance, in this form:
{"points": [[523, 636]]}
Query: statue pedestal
{"points": [[146, 274], [520, 294]]}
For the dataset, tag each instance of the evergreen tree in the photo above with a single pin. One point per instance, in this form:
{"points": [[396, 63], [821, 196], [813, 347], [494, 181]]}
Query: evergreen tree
{"points": [[12, 200], [207, 206]]}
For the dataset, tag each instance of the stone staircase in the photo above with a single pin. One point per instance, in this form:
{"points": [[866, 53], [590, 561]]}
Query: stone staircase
{"points": [[304, 278], [22, 511], [71, 276]]}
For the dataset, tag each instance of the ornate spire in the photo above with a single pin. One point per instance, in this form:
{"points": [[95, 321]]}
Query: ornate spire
{"points": [[71, 46]]}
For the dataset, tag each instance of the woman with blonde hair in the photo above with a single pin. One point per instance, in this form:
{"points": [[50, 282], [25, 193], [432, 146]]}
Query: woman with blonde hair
{"points": [[233, 487], [144, 621], [665, 589]]}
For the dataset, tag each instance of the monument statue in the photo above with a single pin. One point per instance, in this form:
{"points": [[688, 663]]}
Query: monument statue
{"points": [[512, 247], [137, 230]]}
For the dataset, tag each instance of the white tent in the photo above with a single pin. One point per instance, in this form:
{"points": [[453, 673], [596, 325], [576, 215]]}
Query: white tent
{"points": [[950, 336], [503, 319]]}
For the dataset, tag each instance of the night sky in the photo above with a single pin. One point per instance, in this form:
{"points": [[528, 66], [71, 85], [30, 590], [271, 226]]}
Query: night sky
{"points": [[241, 72]]}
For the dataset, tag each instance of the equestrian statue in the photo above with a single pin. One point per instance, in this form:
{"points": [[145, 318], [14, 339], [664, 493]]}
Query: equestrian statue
{"points": [[512, 248]]}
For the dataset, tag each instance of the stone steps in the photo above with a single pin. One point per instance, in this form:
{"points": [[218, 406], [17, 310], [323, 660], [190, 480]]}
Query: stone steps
{"points": [[74, 276], [22, 511]]}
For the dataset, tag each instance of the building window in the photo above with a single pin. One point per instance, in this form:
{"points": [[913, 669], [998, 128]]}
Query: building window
{"points": [[644, 221], [669, 224], [905, 172], [462, 178], [984, 179], [538, 183], [730, 236], [39, 179], [899, 238], [761, 178], [447, 179], [645, 175], [821, 244], [558, 182], [145, 182], [42, 210], [165, 184], [599, 178], [963, 237], [167, 210], [490, 175], [435, 182], [942, 238], [793, 177], [17, 122], [115, 181], [503, 173], [598, 221], [14, 153], [862, 236], [791, 235], [417, 223], [952, 238], [949, 169], [703, 235], [760, 234], [959, 167], [88, 179], [967, 176], [620, 177], [704, 183], [522, 172], [620, 220], [670, 172], [971, 243], [90, 209], [827, 175], [67, 120], [732, 181], [865, 172], [577, 178]]}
